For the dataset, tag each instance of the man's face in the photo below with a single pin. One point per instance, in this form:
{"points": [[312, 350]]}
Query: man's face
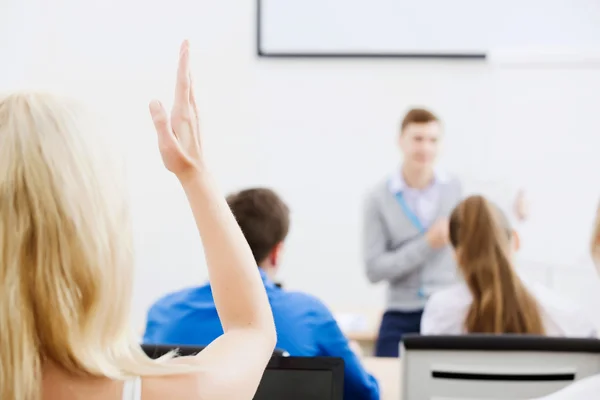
{"points": [[420, 144]]}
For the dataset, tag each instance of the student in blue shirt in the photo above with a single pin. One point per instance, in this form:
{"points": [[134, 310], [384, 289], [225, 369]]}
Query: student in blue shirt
{"points": [[305, 327]]}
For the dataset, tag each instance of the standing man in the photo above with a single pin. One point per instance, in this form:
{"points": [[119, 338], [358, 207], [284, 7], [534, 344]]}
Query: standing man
{"points": [[406, 231]]}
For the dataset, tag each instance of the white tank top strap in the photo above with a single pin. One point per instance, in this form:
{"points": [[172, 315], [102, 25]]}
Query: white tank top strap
{"points": [[132, 389]]}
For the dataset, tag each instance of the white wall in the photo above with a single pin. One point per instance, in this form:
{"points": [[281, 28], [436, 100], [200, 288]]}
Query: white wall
{"points": [[319, 132]]}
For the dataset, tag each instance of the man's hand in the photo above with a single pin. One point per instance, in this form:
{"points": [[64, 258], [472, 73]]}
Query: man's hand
{"points": [[521, 206], [437, 235]]}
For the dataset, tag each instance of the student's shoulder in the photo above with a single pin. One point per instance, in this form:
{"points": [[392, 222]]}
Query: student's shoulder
{"points": [[445, 311], [304, 298], [180, 296], [306, 302], [456, 295]]}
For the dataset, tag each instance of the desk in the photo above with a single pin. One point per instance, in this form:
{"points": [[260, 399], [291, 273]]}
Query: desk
{"points": [[361, 327], [387, 372]]}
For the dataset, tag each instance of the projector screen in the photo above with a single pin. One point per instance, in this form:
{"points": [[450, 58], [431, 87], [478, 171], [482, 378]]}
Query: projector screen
{"points": [[425, 28]]}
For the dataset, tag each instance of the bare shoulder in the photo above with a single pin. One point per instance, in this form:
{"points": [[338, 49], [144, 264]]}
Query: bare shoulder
{"points": [[189, 386], [173, 387], [228, 368]]}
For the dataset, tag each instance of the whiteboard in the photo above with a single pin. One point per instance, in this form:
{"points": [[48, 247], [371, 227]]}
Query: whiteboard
{"points": [[425, 28]]}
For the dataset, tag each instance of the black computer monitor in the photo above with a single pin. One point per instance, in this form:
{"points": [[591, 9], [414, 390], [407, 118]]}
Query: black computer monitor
{"points": [[286, 378], [302, 378], [159, 350]]}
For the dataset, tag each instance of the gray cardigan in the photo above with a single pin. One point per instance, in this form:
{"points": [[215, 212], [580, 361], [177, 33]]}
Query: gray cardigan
{"points": [[397, 253]]}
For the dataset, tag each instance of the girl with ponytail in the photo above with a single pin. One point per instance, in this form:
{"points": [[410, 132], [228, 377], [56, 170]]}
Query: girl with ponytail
{"points": [[493, 298]]}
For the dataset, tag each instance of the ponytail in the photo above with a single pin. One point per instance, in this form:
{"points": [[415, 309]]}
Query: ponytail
{"points": [[480, 233]]}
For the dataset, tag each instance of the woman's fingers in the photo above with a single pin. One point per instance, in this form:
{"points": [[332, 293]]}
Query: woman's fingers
{"points": [[182, 86], [193, 104], [160, 118]]}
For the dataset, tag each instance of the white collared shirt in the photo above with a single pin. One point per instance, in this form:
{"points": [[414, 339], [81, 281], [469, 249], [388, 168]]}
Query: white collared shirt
{"points": [[424, 203], [446, 311]]}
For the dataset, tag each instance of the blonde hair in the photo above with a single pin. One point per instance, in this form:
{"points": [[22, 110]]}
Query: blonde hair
{"points": [[501, 303], [66, 259]]}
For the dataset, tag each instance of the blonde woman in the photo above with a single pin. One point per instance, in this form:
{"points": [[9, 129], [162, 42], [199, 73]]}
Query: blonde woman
{"points": [[66, 267]]}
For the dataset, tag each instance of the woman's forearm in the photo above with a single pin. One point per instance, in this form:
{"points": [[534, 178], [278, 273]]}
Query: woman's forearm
{"points": [[237, 288]]}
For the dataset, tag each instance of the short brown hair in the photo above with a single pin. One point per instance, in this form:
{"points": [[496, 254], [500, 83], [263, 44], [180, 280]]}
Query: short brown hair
{"points": [[263, 217], [418, 116]]}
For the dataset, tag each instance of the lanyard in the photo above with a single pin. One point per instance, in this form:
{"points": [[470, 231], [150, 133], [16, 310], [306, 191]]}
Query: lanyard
{"points": [[409, 213], [416, 222]]}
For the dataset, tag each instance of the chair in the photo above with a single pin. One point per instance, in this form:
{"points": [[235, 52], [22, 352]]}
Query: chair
{"points": [[289, 378], [493, 366], [159, 350]]}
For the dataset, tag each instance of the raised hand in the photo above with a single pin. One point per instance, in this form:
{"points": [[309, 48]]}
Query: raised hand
{"points": [[179, 134]]}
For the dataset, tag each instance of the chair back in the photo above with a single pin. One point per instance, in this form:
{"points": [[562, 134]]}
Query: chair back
{"points": [[496, 367]]}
